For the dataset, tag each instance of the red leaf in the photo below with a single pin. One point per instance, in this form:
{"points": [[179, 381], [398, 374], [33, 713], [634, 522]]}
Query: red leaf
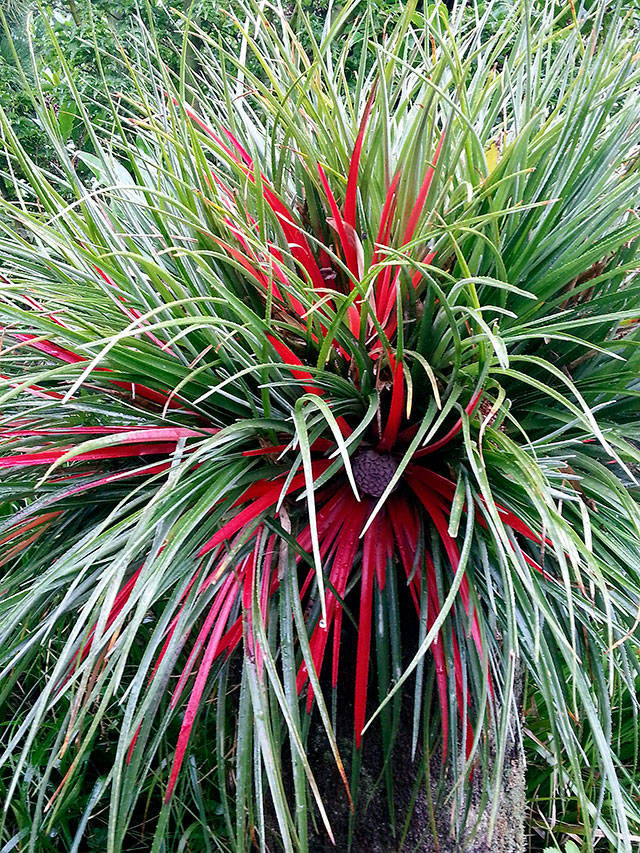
{"points": [[289, 357], [370, 561], [276, 450], [517, 524], [132, 313], [247, 574], [386, 547], [270, 582], [386, 217], [296, 238], [422, 195], [294, 233], [209, 132], [386, 287], [214, 611], [51, 349], [347, 544], [328, 521], [384, 234], [445, 487], [241, 151], [36, 390], [395, 411], [29, 525], [534, 565], [406, 528], [22, 460], [73, 358], [119, 602], [431, 448], [437, 649], [157, 440], [134, 389], [95, 430], [259, 275], [200, 683], [352, 180], [435, 509], [417, 275], [120, 475], [346, 538], [339, 223], [250, 513], [457, 663]]}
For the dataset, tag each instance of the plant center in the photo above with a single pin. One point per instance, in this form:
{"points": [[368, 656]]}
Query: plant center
{"points": [[373, 471]]}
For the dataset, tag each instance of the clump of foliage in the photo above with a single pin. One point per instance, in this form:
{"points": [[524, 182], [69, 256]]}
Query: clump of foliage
{"points": [[301, 351]]}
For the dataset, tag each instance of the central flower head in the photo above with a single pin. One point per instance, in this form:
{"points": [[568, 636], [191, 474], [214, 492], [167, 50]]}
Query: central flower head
{"points": [[373, 471]]}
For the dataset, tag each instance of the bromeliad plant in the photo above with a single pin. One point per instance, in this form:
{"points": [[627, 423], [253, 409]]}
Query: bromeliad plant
{"points": [[308, 345]]}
